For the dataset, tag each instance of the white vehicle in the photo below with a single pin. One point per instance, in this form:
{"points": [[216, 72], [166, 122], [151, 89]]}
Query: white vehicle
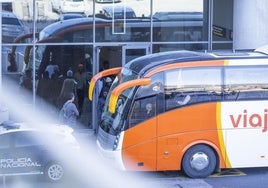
{"points": [[68, 6], [108, 1], [26, 150], [68, 16], [4, 114], [12, 27]]}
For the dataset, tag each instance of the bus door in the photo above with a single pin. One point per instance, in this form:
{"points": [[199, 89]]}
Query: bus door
{"points": [[140, 139]]}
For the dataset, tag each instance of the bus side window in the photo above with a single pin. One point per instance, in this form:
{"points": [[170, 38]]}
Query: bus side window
{"points": [[142, 110], [182, 88], [246, 83]]}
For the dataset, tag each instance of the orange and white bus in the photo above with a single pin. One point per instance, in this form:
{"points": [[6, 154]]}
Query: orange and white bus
{"points": [[191, 111]]}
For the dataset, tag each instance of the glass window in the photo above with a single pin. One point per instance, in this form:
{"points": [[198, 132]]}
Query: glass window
{"points": [[10, 21], [192, 85], [135, 30], [12, 27], [169, 47], [123, 22], [145, 105], [250, 76], [183, 26], [181, 23], [79, 36], [222, 46], [22, 139], [222, 30], [4, 141], [142, 110], [154, 88], [242, 83], [53, 62]]}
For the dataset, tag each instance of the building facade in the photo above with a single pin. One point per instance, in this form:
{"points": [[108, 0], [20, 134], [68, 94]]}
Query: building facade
{"points": [[117, 32]]}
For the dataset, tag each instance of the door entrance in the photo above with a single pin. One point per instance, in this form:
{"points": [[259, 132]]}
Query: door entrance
{"points": [[118, 56], [110, 57], [132, 52]]}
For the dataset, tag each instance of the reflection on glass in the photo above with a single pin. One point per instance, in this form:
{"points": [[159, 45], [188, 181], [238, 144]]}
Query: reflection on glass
{"points": [[12, 27], [195, 46], [184, 22]]}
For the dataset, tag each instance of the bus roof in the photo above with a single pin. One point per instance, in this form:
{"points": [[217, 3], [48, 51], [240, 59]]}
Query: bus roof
{"points": [[146, 63], [56, 27], [160, 19]]}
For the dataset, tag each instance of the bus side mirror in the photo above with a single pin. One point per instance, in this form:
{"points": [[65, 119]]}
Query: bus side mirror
{"points": [[93, 82], [122, 87]]}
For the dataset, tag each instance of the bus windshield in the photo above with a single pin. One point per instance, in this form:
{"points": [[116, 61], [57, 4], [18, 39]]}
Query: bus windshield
{"points": [[113, 123]]}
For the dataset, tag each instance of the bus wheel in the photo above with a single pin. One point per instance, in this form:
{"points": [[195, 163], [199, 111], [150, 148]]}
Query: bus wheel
{"points": [[199, 161]]}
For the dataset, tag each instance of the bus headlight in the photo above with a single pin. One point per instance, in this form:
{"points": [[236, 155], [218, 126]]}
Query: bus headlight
{"points": [[116, 141]]}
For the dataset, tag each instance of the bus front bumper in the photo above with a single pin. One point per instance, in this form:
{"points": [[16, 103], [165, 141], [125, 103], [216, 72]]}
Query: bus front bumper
{"points": [[113, 157]]}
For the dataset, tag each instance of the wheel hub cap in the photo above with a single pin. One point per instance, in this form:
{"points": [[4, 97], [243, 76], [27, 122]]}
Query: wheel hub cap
{"points": [[199, 161]]}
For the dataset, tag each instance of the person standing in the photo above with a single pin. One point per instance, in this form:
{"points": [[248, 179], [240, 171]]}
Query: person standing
{"points": [[26, 81], [101, 103], [88, 63], [68, 86], [105, 65], [69, 111], [81, 78], [43, 86]]}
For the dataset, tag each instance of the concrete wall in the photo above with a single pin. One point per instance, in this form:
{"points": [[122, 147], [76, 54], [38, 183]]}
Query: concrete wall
{"points": [[250, 24]]}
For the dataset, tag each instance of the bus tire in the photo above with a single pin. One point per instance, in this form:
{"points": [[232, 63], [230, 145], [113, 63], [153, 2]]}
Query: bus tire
{"points": [[199, 161]]}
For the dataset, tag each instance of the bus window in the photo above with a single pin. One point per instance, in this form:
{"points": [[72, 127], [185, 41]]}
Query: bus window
{"points": [[246, 83], [192, 85], [83, 35], [154, 88], [145, 105], [143, 109]]}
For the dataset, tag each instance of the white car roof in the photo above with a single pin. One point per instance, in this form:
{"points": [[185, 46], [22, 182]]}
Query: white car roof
{"points": [[10, 126]]}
